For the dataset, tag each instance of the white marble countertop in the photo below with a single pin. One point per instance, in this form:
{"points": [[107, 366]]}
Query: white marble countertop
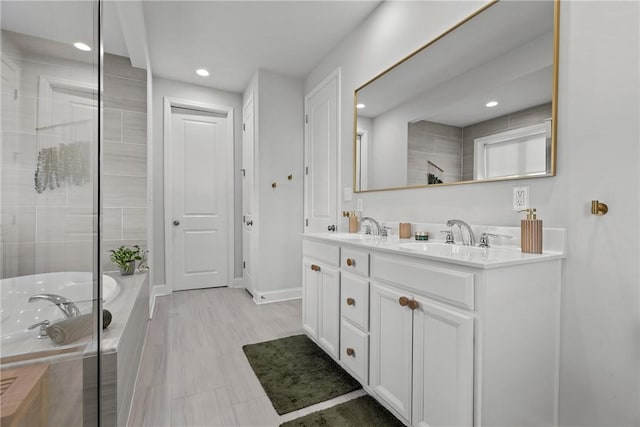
{"points": [[437, 250]]}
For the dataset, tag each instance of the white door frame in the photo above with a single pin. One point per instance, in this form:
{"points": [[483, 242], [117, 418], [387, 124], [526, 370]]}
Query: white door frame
{"points": [[337, 75], [168, 192]]}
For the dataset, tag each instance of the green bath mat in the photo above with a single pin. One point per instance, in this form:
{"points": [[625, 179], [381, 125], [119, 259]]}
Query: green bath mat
{"points": [[296, 373], [360, 412]]}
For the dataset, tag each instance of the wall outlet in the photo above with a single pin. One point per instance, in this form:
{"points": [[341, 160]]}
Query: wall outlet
{"points": [[520, 197]]}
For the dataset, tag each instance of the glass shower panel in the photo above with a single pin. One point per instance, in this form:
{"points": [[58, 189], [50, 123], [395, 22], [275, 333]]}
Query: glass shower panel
{"points": [[50, 272]]}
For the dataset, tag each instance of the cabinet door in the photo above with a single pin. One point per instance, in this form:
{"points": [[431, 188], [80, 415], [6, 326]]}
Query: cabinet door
{"points": [[442, 366], [310, 295], [390, 352], [329, 315]]}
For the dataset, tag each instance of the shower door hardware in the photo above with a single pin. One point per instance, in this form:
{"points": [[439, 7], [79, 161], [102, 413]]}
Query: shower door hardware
{"points": [[244, 127], [244, 219], [176, 222], [306, 222], [306, 170], [244, 172], [306, 118]]}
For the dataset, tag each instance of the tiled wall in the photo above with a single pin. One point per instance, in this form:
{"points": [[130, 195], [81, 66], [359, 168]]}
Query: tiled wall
{"points": [[54, 230], [522, 118], [438, 143], [125, 156]]}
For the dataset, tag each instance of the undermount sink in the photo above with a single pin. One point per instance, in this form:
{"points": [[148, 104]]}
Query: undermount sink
{"points": [[462, 252]]}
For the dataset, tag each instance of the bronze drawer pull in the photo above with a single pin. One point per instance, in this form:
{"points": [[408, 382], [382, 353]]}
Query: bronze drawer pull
{"points": [[351, 301], [351, 262], [351, 352]]}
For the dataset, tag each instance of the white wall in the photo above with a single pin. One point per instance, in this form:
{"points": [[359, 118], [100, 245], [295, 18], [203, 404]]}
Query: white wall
{"points": [[598, 134], [278, 103], [170, 88]]}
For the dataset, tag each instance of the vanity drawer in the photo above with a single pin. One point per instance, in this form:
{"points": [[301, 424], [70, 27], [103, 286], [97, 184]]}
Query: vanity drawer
{"points": [[322, 252], [354, 351], [354, 297], [355, 261], [453, 286]]}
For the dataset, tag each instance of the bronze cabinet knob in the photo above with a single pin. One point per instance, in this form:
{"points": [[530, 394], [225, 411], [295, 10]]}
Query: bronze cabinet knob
{"points": [[403, 301], [351, 301], [413, 304], [351, 352], [351, 262], [315, 267]]}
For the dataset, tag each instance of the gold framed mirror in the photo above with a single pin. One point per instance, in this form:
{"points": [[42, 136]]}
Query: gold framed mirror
{"points": [[478, 103]]}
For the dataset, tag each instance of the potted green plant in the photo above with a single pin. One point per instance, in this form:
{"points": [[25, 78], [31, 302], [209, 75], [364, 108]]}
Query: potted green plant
{"points": [[126, 258]]}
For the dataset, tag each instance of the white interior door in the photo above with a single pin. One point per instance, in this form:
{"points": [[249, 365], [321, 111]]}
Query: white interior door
{"points": [[199, 144], [321, 159], [249, 227]]}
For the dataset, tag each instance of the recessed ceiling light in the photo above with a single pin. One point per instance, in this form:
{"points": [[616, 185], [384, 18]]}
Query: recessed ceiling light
{"points": [[491, 104], [360, 106], [202, 72], [82, 46]]}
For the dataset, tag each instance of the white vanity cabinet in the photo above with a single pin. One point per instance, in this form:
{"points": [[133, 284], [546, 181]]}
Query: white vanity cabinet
{"points": [[422, 348], [468, 341], [321, 295], [354, 309]]}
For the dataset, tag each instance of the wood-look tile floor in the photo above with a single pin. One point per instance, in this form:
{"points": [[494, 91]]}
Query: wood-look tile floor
{"points": [[193, 371]]}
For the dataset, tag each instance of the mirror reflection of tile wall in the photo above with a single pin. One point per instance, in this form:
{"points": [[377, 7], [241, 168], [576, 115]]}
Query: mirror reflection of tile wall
{"points": [[447, 151]]}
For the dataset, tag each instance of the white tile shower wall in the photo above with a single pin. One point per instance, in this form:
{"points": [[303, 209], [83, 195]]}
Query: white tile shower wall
{"points": [[125, 156]]}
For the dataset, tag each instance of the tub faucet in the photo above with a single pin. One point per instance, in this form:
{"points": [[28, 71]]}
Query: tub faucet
{"points": [[367, 228], [69, 309], [461, 224]]}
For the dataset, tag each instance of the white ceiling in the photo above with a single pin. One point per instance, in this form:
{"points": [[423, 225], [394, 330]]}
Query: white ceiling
{"points": [[232, 39]]}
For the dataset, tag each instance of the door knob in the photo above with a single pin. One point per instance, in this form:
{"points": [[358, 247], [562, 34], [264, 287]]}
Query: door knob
{"points": [[250, 222], [176, 222]]}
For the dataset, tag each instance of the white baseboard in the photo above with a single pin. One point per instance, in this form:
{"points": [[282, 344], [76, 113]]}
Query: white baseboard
{"points": [[156, 291], [237, 282], [277, 295]]}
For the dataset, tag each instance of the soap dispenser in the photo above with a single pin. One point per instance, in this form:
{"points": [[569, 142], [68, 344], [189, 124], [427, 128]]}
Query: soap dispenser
{"points": [[531, 233]]}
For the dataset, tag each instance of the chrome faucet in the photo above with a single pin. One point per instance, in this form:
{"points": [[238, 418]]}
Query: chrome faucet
{"points": [[69, 309], [461, 224], [367, 227]]}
